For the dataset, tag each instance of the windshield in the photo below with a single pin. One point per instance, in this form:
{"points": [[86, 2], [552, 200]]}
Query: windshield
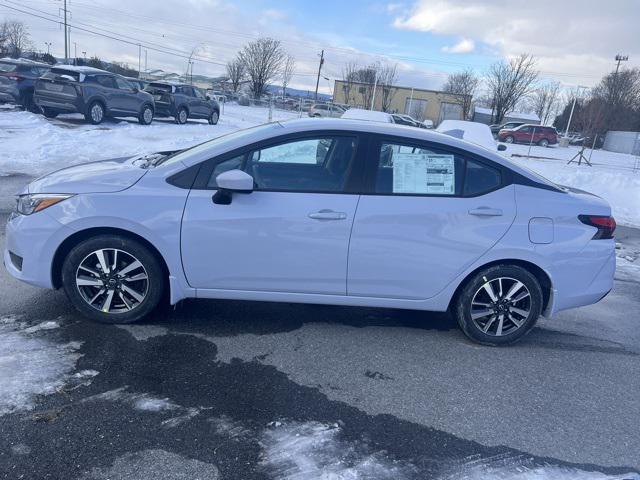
{"points": [[221, 140]]}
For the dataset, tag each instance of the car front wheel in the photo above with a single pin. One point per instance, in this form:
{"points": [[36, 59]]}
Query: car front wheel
{"points": [[112, 279], [146, 115], [499, 305], [182, 116]]}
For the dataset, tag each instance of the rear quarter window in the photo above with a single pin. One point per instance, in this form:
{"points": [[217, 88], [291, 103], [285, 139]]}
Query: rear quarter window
{"points": [[480, 178], [7, 67], [60, 74]]}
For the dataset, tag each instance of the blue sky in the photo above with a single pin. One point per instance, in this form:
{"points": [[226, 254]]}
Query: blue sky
{"points": [[574, 41]]}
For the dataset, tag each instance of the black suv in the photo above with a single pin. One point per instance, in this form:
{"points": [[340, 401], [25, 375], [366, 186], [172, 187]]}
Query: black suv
{"points": [[17, 77], [182, 101], [94, 93]]}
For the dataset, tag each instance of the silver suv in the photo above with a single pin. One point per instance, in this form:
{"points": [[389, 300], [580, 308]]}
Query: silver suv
{"points": [[326, 110]]}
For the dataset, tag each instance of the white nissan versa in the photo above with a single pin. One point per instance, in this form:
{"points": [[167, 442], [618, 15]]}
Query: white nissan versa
{"points": [[330, 211]]}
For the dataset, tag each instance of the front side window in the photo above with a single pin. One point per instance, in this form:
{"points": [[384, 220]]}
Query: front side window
{"points": [[319, 164], [123, 84], [199, 94], [106, 81], [415, 170]]}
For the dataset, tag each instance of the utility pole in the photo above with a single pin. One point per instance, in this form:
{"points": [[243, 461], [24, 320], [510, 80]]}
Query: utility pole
{"points": [[566, 132], [373, 96], [139, 59], [66, 46], [319, 70], [75, 53], [620, 58], [145, 60]]}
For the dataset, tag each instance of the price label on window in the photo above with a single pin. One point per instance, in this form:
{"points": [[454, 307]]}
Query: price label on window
{"points": [[423, 173]]}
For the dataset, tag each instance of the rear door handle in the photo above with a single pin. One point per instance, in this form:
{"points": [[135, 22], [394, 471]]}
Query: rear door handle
{"points": [[328, 215], [485, 212]]}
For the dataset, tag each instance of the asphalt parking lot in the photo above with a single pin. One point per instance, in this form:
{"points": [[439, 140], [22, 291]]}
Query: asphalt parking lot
{"points": [[224, 389]]}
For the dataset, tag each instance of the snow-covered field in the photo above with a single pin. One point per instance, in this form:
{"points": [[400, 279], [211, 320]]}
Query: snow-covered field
{"points": [[33, 145]]}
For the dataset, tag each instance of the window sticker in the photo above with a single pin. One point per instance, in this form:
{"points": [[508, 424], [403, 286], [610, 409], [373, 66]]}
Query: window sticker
{"points": [[423, 173]]}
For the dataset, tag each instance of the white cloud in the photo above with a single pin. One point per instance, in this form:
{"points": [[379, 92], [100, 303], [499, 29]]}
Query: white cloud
{"points": [[465, 45], [579, 38]]}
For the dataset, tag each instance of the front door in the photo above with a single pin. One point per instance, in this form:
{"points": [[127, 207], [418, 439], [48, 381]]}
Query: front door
{"points": [[291, 234], [432, 214]]}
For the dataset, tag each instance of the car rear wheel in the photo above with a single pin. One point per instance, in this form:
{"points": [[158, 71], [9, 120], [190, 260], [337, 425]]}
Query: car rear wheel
{"points": [[499, 305], [146, 115], [543, 142], [112, 279], [509, 139], [95, 113], [49, 113], [182, 116], [214, 117]]}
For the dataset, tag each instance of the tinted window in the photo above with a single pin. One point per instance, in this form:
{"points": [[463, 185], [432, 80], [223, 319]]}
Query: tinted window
{"points": [[105, 81], [62, 74], [123, 84], [480, 178], [199, 94], [405, 169], [319, 164], [7, 67]]}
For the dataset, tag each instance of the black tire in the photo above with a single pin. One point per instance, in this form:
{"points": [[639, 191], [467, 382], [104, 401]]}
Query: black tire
{"points": [[543, 142], [509, 139], [95, 113], [182, 116], [146, 115], [49, 113], [214, 117], [154, 286], [462, 308]]}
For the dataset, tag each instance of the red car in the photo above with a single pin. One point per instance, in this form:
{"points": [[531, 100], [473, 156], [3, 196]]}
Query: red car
{"points": [[538, 134]]}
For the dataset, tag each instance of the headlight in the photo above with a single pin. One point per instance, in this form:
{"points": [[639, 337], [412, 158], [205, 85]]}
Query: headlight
{"points": [[31, 203]]}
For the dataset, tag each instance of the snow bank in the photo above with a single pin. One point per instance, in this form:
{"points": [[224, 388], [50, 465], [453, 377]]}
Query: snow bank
{"points": [[31, 365], [34, 145]]}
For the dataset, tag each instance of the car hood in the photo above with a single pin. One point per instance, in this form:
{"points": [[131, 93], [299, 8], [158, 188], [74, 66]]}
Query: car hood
{"points": [[96, 177]]}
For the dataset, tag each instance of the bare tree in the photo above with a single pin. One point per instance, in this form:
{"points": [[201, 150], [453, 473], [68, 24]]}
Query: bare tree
{"points": [[14, 38], [387, 77], [263, 59], [366, 79], [236, 72], [544, 101], [348, 77], [621, 93], [288, 68], [463, 83], [508, 82]]}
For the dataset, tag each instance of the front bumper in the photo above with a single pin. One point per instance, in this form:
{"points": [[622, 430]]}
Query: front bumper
{"points": [[35, 238]]}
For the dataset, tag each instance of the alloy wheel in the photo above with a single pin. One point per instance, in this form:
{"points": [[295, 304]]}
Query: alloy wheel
{"points": [[112, 280], [147, 115], [97, 113], [183, 116], [500, 306], [214, 118]]}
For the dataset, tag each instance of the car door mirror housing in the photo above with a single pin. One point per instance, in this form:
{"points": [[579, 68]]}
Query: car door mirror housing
{"points": [[232, 181]]}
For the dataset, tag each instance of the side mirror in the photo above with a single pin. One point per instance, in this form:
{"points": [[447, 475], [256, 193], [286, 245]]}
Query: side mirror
{"points": [[136, 89], [502, 147], [232, 181]]}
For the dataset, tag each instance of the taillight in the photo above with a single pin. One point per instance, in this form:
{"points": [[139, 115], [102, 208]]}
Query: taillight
{"points": [[605, 225], [14, 77]]}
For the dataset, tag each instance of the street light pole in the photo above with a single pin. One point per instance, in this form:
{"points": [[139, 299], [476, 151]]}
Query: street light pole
{"points": [[48, 44]]}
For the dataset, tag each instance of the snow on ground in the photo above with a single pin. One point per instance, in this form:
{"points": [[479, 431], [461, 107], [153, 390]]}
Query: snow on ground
{"points": [[34, 145], [614, 176], [31, 364]]}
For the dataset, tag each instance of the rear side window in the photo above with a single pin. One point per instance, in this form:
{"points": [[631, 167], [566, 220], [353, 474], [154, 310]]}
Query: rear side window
{"points": [[414, 170], [480, 178], [61, 74], [7, 67]]}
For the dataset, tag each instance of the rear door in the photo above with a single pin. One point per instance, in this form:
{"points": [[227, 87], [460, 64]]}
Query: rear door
{"points": [[431, 212], [125, 98], [291, 234]]}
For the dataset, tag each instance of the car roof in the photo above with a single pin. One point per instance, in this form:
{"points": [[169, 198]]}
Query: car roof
{"points": [[367, 115], [24, 61], [82, 69], [173, 84]]}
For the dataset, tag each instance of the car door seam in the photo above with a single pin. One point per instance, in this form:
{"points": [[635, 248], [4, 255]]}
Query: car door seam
{"points": [[353, 222]]}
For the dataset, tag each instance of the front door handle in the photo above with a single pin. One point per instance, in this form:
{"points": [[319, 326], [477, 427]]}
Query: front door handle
{"points": [[328, 215], [485, 212]]}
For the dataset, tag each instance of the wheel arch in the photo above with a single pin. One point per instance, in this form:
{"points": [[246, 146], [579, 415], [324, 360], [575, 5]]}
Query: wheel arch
{"points": [[541, 275], [72, 240], [96, 98]]}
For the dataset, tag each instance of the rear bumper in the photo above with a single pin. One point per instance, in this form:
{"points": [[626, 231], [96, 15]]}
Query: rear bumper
{"points": [[72, 105], [585, 279]]}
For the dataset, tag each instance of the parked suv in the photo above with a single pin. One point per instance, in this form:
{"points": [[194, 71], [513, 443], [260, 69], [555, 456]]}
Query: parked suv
{"points": [[537, 134], [17, 77], [325, 110], [94, 93], [495, 128], [182, 101]]}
